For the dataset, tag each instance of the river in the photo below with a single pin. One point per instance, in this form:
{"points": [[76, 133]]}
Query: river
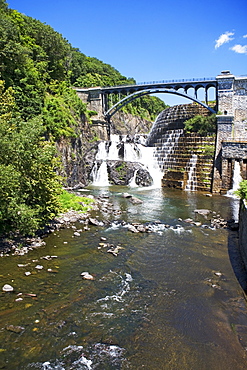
{"points": [[168, 300]]}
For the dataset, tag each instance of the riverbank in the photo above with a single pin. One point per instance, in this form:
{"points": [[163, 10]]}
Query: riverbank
{"points": [[19, 245]]}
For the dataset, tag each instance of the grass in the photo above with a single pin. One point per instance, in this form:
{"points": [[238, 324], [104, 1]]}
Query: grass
{"points": [[69, 201]]}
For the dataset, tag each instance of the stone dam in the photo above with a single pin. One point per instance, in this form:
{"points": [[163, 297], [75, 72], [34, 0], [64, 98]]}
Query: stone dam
{"points": [[185, 159]]}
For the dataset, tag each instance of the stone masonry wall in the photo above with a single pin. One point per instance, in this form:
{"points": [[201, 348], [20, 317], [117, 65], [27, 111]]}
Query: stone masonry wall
{"points": [[243, 231]]}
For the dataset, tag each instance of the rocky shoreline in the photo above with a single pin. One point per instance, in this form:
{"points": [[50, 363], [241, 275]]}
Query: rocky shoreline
{"points": [[18, 245]]}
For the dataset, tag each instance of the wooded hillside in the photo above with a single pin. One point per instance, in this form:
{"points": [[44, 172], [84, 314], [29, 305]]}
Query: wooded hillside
{"points": [[38, 107]]}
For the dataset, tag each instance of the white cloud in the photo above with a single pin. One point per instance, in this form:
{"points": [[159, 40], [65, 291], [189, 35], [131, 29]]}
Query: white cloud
{"points": [[224, 38], [245, 36], [240, 49]]}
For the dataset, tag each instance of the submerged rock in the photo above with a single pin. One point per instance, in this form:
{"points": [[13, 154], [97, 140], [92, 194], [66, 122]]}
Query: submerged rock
{"points": [[132, 199], [126, 195], [85, 275], [15, 329], [132, 229], [7, 288], [203, 212], [94, 221], [114, 250]]}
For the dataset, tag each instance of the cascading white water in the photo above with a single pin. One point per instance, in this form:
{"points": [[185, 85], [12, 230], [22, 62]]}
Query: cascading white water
{"points": [[192, 181], [148, 160], [237, 178], [133, 152], [108, 150], [164, 153], [100, 175], [132, 182], [113, 149]]}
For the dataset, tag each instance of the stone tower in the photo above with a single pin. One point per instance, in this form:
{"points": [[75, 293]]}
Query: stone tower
{"points": [[231, 142]]}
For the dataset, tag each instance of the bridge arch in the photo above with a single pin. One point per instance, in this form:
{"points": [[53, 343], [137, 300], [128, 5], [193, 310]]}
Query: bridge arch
{"points": [[129, 98]]}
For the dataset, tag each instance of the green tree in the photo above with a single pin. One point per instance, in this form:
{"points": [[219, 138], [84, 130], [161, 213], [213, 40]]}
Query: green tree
{"points": [[200, 124], [242, 191], [62, 110], [29, 186]]}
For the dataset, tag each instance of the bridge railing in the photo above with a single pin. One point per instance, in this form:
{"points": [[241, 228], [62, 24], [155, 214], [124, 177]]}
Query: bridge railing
{"points": [[184, 80], [175, 81]]}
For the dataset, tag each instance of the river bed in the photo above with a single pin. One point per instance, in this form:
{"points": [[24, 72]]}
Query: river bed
{"points": [[169, 299]]}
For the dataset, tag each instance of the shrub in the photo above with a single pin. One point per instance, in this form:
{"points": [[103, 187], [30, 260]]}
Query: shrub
{"points": [[201, 125], [242, 191], [70, 201]]}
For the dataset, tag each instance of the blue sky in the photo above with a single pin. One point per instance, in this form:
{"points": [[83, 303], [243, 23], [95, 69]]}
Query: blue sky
{"points": [[152, 40]]}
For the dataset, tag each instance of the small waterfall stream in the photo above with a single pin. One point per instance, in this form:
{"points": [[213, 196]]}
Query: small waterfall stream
{"points": [[100, 175], [191, 168], [236, 179]]}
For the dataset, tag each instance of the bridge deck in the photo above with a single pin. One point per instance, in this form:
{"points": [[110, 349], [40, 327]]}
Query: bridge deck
{"points": [[168, 84]]}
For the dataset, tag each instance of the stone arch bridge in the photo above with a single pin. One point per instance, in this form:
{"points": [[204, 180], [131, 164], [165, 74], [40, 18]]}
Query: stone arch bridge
{"points": [[100, 98]]}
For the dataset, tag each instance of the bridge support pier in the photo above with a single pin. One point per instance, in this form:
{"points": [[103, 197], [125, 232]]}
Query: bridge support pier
{"points": [[96, 101]]}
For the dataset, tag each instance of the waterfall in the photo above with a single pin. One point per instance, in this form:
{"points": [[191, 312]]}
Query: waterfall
{"points": [[192, 182], [108, 150], [132, 182], [100, 175], [134, 151], [236, 179], [148, 160]]}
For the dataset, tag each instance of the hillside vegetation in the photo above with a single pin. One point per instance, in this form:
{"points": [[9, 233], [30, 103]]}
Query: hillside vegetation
{"points": [[37, 108]]}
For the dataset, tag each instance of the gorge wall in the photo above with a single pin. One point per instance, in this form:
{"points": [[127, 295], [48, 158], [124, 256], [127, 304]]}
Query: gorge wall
{"points": [[78, 154]]}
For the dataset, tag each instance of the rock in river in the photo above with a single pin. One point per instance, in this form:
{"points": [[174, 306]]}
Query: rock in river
{"points": [[85, 275], [7, 288]]}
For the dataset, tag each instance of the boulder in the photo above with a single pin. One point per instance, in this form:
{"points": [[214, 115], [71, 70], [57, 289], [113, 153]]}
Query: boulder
{"points": [[122, 172], [135, 200], [85, 275], [7, 288], [95, 222]]}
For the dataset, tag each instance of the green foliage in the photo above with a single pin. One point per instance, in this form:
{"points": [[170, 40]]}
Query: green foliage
{"points": [[208, 150], [37, 68], [62, 110], [242, 191], [70, 201], [201, 125], [29, 186], [146, 107]]}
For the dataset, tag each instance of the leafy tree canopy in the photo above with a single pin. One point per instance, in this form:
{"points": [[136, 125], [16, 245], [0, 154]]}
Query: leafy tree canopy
{"points": [[29, 186], [201, 125]]}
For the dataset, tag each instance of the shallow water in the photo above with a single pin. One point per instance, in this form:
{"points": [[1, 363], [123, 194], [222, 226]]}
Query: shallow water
{"points": [[169, 300]]}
